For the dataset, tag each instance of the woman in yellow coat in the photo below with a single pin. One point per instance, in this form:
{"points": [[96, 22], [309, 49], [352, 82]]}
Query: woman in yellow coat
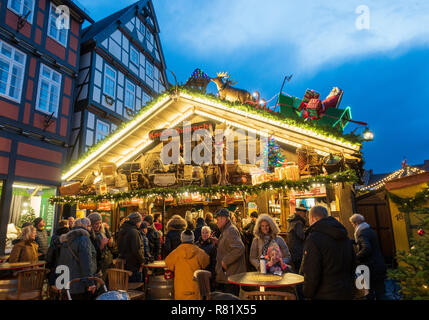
{"points": [[26, 249], [184, 261]]}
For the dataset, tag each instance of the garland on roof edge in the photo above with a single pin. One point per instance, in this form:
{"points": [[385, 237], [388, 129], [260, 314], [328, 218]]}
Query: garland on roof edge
{"points": [[348, 176]]}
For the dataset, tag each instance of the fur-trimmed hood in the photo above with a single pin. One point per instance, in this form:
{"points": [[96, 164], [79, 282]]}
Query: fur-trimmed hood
{"points": [[176, 223], [273, 226], [73, 234]]}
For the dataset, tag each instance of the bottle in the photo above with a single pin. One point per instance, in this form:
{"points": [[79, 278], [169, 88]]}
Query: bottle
{"points": [[262, 265]]}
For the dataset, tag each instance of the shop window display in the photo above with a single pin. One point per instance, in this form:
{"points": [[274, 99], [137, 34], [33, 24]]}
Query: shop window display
{"points": [[29, 202]]}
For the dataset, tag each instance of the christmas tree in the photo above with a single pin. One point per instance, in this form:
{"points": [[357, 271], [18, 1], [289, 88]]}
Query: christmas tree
{"points": [[274, 155], [27, 215], [413, 270]]}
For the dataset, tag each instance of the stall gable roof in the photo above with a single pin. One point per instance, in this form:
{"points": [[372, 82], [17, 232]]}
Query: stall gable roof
{"points": [[171, 109]]}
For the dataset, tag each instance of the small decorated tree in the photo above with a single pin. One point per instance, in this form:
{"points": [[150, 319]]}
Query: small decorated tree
{"points": [[274, 155], [413, 270], [28, 215]]}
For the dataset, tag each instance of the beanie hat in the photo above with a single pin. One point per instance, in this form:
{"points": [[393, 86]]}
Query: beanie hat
{"points": [[37, 221], [149, 219], [135, 217], [187, 236], [144, 225], [26, 224], [254, 214], [224, 212], [94, 217]]}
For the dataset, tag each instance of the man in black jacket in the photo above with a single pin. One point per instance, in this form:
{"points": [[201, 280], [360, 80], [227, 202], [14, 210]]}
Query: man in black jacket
{"points": [[328, 263], [131, 247], [296, 235], [154, 238], [369, 254]]}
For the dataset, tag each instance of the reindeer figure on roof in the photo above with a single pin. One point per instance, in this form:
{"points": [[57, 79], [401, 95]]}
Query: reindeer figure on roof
{"points": [[227, 92]]}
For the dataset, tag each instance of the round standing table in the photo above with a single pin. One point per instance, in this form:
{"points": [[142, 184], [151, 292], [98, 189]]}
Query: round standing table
{"points": [[261, 280], [159, 264]]}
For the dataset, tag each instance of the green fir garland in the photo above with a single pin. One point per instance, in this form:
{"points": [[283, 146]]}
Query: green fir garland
{"points": [[409, 204], [348, 176]]}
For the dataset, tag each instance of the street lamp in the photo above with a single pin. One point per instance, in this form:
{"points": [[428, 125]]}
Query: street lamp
{"points": [[368, 135]]}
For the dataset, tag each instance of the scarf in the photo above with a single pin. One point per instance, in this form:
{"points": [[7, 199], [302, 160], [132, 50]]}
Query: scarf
{"points": [[267, 241], [359, 229]]}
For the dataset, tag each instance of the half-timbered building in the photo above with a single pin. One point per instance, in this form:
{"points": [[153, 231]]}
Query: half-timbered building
{"points": [[39, 65], [122, 68]]}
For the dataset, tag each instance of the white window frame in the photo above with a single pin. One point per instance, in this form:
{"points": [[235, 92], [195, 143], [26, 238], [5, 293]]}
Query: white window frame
{"points": [[142, 26], [150, 66], [57, 37], [127, 91], [51, 83], [97, 132], [13, 63], [21, 9], [149, 36], [106, 66], [137, 64]]}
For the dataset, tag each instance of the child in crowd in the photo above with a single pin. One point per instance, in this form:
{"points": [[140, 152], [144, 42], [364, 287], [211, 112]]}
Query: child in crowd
{"points": [[275, 263]]}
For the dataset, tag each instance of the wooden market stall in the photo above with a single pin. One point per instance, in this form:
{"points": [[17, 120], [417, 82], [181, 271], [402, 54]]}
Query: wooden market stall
{"points": [[125, 172]]}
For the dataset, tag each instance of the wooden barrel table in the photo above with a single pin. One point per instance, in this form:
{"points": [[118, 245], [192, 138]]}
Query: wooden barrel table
{"points": [[158, 288]]}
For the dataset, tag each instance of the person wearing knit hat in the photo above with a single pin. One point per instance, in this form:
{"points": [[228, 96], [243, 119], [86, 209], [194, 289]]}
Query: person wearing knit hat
{"points": [[136, 218], [143, 232], [102, 241], [184, 261], [131, 246], [94, 217], [148, 219], [187, 236], [42, 237], [154, 238], [37, 221]]}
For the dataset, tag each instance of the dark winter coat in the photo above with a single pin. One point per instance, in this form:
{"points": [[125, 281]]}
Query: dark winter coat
{"points": [[209, 247], [197, 232], [79, 255], [104, 256], [130, 246], [369, 253], [42, 239], [154, 238], [230, 250], [296, 236], [148, 257], [328, 264], [54, 253], [175, 226]]}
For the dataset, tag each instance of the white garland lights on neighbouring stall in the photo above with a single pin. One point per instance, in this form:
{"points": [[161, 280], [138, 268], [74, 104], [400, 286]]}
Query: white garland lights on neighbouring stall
{"points": [[406, 171]]}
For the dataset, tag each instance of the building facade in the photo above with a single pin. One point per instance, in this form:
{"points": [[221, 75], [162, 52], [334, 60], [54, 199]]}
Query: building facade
{"points": [[122, 68], [39, 66]]}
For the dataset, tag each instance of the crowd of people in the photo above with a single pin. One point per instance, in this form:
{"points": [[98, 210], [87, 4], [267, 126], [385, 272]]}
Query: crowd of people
{"points": [[317, 247]]}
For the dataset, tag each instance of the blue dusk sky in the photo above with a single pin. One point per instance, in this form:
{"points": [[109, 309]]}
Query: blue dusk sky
{"points": [[383, 70]]}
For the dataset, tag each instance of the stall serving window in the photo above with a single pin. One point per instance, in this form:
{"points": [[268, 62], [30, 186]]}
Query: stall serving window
{"points": [[30, 201]]}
